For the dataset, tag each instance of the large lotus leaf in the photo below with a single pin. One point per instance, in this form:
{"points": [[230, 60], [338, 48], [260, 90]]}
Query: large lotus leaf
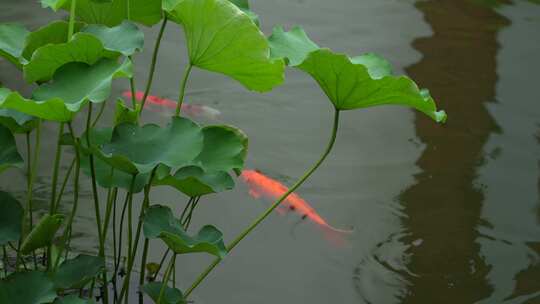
{"points": [[16, 121], [27, 288], [106, 177], [73, 299], [10, 217], [170, 295], [76, 272], [377, 66], [55, 32], [43, 233], [159, 222], [12, 38], [52, 109], [221, 38], [9, 156], [244, 6], [293, 45], [351, 86], [193, 181], [225, 149], [136, 149], [111, 13], [125, 114], [125, 38], [83, 47]]}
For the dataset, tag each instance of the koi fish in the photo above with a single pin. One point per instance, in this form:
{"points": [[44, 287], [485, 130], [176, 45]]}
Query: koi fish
{"points": [[189, 109], [261, 185]]}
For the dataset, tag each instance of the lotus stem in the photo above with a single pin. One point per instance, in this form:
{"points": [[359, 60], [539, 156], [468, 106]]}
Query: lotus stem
{"points": [[153, 64], [100, 113], [63, 187], [261, 218], [56, 167], [166, 279], [94, 184], [71, 26], [183, 84]]}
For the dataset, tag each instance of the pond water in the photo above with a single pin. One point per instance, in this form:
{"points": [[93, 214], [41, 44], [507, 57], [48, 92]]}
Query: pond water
{"points": [[441, 214]]}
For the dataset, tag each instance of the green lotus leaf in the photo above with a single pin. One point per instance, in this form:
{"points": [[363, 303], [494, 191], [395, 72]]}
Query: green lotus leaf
{"points": [[53, 109], [9, 156], [43, 233], [17, 122], [193, 181], [351, 86], [124, 114], [159, 222], [27, 288], [225, 148], [111, 13], [125, 38], [136, 149], [11, 218], [75, 273], [55, 32], [83, 47], [221, 38], [73, 299], [103, 170], [170, 296], [377, 66], [244, 6], [294, 45], [12, 38]]}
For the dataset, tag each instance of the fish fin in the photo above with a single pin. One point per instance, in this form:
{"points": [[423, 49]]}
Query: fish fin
{"points": [[338, 237]]}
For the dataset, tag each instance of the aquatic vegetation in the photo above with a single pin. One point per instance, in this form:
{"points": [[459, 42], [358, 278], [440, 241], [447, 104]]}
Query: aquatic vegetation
{"points": [[72, 65]]}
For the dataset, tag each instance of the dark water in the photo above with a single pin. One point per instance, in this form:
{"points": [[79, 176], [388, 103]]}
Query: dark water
{"points": [[442, 214]]}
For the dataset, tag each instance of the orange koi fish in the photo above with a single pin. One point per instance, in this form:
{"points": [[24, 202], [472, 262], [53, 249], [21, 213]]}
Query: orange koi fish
{"points": [[261, 185], [189, 109]]}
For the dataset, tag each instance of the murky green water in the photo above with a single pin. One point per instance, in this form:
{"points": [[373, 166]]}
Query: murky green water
{"points": [[442, 214]]}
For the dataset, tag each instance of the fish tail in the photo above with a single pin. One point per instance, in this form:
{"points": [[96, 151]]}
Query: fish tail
{"points": [[337, 237]]}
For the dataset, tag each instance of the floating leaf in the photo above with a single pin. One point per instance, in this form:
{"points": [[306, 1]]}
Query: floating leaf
{"points": [[55, 32], [170, 295], [83, 47], [75, 84], [17, 122], [12, 38], [27, 288], [136, 149], [9, 156], [294, 45], [43, 233], [221, 38], [125, 38], [111, 13], [72, 299], [193, 181], [350, 86], [159, 222], [11, 218], [75, 273]]}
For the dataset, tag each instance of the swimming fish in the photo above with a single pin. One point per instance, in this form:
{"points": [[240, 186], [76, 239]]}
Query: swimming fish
{"points": [[261, 185], [188, 109]]}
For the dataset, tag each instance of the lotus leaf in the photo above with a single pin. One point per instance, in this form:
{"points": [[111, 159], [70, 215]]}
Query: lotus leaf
{"points": [[221, 38], [78, 271], [11, 218], [32, 287], [193, 181], [9, 156], [159, 222], [293, 45], [125, 38], [12, 38], [125, 114], [170, 296], [55, 32], [75, 84], [43, 233], [16, 121]]}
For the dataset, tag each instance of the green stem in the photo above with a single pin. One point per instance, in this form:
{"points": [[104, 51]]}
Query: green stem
{"points": [[242, 235], [71, 26], [162, 261], [32, 176], [100, 113], [94, 184], [153, 64], [5, 261], [166, 279], [143, 267], [183, 84], [132, 88], [63, 187], [56, 167]]}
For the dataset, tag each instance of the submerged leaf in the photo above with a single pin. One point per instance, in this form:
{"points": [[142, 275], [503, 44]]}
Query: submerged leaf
{"points": [[221, 38], [193, 181], [76, 272], [12, 38], [294, 45], [27, 288], [9, 156], [125, 38], [170, 296], [352, 86], [159, 222], [11, 218], [55, 32], [43, 233]]}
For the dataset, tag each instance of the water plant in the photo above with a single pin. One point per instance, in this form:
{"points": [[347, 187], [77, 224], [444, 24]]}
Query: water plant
{"points": [[71, 66]]}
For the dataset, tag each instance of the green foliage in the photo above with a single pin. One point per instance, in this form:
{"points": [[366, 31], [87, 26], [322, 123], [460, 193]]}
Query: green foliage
{"points": [[55, 32], [124, 114], [170, 295], [77, 272], [125, 38], [193, 181], [293, 46], [159, 222], [17, 122], [43, 233], [72, 299], [9, 156], [222, 39], [27, 288], [10, 217], [12, 37]]}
